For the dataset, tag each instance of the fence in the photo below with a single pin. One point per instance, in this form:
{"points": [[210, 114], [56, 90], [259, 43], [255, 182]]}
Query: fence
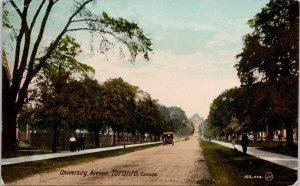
{"points": [[44, 140]]}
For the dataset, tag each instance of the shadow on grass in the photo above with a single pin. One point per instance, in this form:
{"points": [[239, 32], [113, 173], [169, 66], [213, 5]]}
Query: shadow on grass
{"points": [[281, 150], [230, 167]]}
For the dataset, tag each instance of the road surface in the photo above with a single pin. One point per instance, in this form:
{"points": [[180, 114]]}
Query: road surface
{"points": [[181, 164]]}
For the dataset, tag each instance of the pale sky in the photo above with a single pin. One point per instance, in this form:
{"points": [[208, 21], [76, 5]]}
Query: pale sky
{"points": [[194, 48]]}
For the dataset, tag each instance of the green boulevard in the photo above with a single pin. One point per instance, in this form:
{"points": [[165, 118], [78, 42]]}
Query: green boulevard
{"points": [[230, 167]]}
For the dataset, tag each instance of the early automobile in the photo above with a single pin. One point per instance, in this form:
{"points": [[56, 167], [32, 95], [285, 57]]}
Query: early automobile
{"points": [[168, 138]]}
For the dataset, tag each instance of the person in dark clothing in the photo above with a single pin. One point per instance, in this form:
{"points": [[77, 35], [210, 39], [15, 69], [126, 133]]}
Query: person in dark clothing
{"points": [[244, 142], [82, 142], [78, 143]]}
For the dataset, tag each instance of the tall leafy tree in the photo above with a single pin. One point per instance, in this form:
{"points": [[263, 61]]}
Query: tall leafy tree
{"points": [[52, 110], [270, 55], [53, 81], [148, 116], [89, 107], [118, 104], [33, 19]]}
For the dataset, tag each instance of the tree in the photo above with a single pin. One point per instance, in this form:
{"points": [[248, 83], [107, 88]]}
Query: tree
{"points": [[28, 61], [270, 55], [52, 110], [168, 125], [147, 116], [219, 114], [182, 126], [118, 104], [53, 82], [89, 109]]}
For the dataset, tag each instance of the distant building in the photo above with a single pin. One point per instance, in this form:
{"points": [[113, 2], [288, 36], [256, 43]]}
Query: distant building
{"points": [[196, 120]]}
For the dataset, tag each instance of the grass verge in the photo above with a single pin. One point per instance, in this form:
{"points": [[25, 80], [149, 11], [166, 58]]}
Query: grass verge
{"points": [[21, 170], [229, 167]]}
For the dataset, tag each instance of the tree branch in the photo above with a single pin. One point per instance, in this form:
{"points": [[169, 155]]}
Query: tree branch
{"points": [[53, 45], [88, 29], [55, 1], [16, 7], [36, 15], [18, 71], [83, 20], [30, 71], [40, 36]]}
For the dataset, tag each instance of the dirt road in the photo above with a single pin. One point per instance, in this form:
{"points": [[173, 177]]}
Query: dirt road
{"points": [[180, 164]]}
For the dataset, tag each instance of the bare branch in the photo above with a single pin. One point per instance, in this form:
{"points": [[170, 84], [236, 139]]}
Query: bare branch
{"points": [[87, 29], [40, 36], [83, 20], [75, 13], [18, 71], [16, 7], [53, 45], [36, 14]]}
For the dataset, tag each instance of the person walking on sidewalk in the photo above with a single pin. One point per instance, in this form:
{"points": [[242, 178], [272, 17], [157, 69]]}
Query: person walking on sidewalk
{"points": [[72, 141], [78, 142], [244, 142], [82, 142]]}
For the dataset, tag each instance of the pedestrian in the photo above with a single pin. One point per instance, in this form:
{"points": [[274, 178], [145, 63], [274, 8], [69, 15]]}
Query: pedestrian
{"points": [[82, 142], [78, 143], [244, 142], [72, 141]]}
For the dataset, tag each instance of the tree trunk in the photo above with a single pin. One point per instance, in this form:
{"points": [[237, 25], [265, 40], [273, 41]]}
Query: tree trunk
{"points": [[9, 114], [114, 138], [134, 137], [9, 137], [267, 133], [226, 137], [97, 138], [289, 135], [271, 133], [58, 137], [63, 140], [54, 142]]}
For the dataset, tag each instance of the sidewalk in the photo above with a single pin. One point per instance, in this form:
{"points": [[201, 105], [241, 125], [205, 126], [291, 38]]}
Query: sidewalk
{"points": [[9, 161], [286, 161]]}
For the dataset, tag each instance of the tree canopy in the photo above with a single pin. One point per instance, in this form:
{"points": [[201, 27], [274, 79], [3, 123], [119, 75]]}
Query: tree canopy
{"points": [[31, 53], [268, 69]]}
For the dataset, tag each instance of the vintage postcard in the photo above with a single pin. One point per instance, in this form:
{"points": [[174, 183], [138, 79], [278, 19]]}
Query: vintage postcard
{"points": [[152, 92]]}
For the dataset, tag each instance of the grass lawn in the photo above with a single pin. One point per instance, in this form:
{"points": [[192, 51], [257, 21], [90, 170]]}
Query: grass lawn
{"points": [[21, 170], [229, 167]]}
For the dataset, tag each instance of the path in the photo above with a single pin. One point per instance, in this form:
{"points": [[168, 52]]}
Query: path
{"points": [[181, 164], [9, 161], [276, 158]]}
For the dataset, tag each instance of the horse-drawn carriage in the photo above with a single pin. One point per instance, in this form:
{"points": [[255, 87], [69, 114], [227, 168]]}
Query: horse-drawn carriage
{"points": [[168, 138]]}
